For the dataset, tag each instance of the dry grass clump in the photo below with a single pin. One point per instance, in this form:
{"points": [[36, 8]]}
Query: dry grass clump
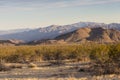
{"points": [[4, 67], [32, 65], [15, 65]]}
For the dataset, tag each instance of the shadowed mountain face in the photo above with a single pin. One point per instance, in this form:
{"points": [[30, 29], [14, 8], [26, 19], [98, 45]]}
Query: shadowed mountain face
{"points": [[91, 34], [53, 31]]}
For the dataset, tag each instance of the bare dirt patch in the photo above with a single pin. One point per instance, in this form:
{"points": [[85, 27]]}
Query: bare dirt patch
{"points": [[44, 71]]}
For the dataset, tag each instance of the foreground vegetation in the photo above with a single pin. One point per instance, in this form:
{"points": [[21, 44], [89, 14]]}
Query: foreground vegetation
{"points": [[104, 58]]}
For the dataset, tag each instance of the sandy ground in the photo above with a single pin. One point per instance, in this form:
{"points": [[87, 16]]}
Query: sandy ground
{"points": [[46, 72]]}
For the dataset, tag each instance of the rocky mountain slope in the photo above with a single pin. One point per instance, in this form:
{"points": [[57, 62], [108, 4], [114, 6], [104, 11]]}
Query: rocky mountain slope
{"points": [[91, 34]]}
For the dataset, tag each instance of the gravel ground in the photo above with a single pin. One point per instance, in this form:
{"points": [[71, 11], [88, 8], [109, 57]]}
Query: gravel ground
{"points": [[46, 72]]}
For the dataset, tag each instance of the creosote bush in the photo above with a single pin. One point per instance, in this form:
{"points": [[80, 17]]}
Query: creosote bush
{"points": [[43, 52], [105, 59]]}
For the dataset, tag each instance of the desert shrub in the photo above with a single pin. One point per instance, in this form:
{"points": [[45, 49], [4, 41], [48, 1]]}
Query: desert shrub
{"points": [[99, 57], [13, 58], [38, 56], [114, 53], [114, 57], [105, 59], [43, 52], [100, 53]]}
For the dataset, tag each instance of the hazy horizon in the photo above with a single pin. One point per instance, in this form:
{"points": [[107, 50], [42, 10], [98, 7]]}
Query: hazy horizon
{"points": [[21, 28], [18, 14]]}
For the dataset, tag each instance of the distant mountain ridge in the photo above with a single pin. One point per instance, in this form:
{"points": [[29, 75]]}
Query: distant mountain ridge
{"points": [[53, 31], [3, 32], [10, 42]]}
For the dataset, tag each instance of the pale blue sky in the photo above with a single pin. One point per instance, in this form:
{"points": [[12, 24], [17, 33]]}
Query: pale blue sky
{"points": [[15, 14]]}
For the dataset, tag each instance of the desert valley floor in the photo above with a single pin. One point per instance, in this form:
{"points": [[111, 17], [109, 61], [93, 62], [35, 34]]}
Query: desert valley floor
{"points": [[45, 71]]}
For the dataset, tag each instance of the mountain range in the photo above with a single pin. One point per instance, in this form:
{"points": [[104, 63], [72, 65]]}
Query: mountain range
{"points": [[57, 31]]}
